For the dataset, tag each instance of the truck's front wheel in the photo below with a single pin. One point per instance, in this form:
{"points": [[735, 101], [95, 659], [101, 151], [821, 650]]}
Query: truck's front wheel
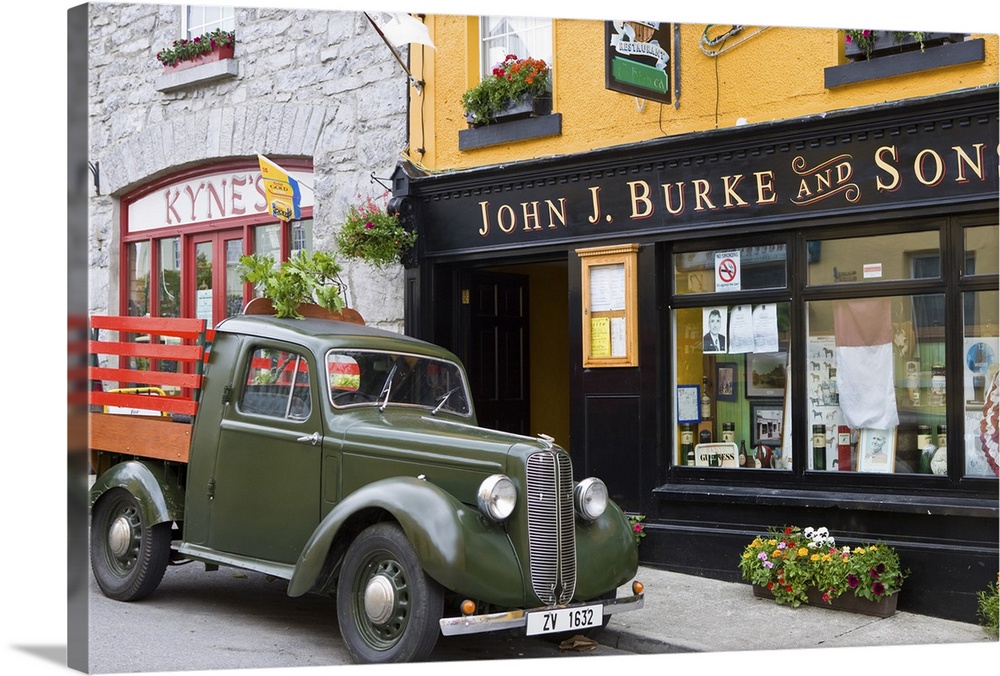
{"points": [[387, 607], [128, 555]]}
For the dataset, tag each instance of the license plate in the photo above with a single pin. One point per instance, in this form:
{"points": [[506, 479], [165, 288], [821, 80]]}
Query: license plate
{"points": [[564, 619]]}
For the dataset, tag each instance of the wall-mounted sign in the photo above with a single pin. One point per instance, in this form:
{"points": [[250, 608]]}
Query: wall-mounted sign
{"points": [[637, 58]]}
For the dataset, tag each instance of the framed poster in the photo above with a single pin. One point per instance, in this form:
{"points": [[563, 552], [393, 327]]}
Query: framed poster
{"points": [[877, 450], [766, 374], [688, 404], [766, 422], [609, 300], [637, 58], [725, 380]]}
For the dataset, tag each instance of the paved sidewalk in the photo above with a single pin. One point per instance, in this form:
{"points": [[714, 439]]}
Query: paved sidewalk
{"points": [[685, 613]]}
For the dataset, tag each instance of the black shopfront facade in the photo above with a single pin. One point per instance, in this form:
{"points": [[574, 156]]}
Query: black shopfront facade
{"points": [[577, 290]]}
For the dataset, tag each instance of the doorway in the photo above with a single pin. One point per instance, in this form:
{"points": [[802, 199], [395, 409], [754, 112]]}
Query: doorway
{"points": [[514, 341], [213, 275]]}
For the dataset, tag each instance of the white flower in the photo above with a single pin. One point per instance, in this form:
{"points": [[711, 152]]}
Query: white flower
{"points": [[808, 532]]}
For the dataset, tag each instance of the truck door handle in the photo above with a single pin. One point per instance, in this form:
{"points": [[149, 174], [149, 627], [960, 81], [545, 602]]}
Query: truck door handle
{"points": [[311, 438]]}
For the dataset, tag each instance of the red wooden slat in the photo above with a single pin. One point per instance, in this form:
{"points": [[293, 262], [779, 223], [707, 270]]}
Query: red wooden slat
{"points": [[186, 353], [145, 401], [170, 326], [168, 378]]}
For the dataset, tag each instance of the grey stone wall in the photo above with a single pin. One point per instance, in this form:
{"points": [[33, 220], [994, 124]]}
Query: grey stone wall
{"points": [[309, 83]]}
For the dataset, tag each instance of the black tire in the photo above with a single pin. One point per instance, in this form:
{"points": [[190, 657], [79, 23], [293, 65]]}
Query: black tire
{"points": [[127, 555], [401, 624]]}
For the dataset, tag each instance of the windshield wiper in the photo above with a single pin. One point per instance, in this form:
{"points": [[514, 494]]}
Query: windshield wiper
{"points": [[444, 398], [386, 387]]}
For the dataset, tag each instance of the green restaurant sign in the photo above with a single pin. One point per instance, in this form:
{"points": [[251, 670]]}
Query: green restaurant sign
{"points": [[637, 58]]}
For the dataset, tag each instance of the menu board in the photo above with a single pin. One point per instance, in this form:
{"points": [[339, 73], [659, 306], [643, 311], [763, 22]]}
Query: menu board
{"points": [[609, 305]]}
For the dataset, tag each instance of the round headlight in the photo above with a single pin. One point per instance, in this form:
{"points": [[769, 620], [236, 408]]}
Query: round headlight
{"points": [[591, 498], [497, 497]]}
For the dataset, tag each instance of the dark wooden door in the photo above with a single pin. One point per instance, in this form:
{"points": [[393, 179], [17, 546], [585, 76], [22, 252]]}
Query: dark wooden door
{"points": [[497, 356]]}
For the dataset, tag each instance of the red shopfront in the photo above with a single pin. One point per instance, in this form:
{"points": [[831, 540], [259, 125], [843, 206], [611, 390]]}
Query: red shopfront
{"points": [[183, 235]]}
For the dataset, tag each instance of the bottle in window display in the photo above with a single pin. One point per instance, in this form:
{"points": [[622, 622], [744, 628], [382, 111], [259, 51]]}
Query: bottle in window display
{"points": [[819, 446], [745, 460], [687, 444], [706, 400], [936, 397], [925, 448]]}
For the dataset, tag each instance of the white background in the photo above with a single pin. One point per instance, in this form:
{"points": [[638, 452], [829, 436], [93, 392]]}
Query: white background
{"points": [[33, 509]]}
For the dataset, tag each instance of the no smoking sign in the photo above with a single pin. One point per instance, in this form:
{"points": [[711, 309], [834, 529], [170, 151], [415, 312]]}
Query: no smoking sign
{"points": [[727, 271]]}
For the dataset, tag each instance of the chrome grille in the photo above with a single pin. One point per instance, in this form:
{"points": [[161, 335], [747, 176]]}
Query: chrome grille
{"points": [[551, 534]]}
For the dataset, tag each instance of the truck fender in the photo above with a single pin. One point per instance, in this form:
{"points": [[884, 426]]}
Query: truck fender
{"points": [[159, 499], [456, 545]]}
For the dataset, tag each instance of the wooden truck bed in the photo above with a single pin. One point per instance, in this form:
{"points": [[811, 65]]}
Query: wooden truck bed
{"points": [[150, 370]]}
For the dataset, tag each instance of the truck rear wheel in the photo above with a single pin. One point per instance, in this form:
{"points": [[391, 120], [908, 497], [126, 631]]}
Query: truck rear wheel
{"points": [[128, 555], [387, 607]]}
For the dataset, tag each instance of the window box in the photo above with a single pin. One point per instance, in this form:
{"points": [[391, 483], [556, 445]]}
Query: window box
{"points": [[886, 43], [217, 54], [524, 107], [905, 63]]}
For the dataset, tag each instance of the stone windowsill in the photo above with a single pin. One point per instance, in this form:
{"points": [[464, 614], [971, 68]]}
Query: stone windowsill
{"points": [[198, 75]]}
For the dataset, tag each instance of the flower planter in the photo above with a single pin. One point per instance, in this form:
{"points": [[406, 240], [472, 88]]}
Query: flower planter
{"points": [[883, 607], [519, 109], [264, 306], [217, 54], [886, 44]]}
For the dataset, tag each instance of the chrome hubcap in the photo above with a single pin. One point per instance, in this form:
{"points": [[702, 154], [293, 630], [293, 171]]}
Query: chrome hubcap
{"points": [[380, 599], [120, 536]]}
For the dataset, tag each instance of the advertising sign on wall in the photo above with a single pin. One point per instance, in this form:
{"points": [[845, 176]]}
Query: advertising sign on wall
{"points": [[637, 58]]}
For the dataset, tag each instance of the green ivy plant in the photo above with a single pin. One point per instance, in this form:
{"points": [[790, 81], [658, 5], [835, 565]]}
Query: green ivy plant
{"points": [[300, 279]]}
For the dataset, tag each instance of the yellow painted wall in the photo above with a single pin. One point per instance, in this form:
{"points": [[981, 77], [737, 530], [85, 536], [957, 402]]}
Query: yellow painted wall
{"points": [[761, 75]]}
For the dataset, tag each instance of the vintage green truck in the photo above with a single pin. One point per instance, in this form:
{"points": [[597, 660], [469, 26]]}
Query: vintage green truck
{"points": [[346, 460]]}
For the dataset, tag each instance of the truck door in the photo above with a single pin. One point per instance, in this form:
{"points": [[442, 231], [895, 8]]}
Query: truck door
{"points": [[266, 491]]}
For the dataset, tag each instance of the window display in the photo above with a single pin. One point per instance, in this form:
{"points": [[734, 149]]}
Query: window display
{"points": [[880, 365]]}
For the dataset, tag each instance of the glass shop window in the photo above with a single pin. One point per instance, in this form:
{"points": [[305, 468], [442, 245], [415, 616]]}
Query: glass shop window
{"points": [[876, 390], [731, 361], [882, 380]]}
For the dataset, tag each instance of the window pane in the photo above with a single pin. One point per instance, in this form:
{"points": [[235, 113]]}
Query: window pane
{"points": [[982, 251], [980, 352], [138, 279], [875, 259], [521, 36], [875, 382], [276, 385], [267, 241], [746, 268], [362, 378], [731, 409], [201, 19], [302, 237], [234, 287], [169, 292]]}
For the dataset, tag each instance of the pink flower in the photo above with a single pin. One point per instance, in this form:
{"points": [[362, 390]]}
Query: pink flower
{"points": [[369, 225], [637, 528]]}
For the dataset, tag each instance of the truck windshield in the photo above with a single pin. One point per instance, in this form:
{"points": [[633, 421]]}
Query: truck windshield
{"points": [[385, 379]]}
